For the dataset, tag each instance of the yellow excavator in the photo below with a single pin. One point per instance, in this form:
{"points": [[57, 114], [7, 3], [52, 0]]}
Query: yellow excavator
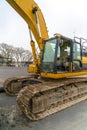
{"points": [[54, 82]]}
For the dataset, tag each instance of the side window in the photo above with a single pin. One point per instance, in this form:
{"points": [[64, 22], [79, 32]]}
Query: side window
{"points": [[77, 51]]}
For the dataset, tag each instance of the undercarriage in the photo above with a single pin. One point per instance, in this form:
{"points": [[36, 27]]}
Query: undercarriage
{"points": [[41, 98]]}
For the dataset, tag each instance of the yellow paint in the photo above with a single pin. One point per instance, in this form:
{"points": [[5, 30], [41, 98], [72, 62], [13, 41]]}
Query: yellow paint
{"points": [[84, 60], [32, 68], [62, 75]]}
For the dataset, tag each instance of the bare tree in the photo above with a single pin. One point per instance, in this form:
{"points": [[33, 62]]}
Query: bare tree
{"points": [[6, 50], [22, 55], [26, 56], [19, 54]]}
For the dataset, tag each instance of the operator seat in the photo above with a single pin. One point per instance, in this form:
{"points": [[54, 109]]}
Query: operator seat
{"points": [[64, 57]]}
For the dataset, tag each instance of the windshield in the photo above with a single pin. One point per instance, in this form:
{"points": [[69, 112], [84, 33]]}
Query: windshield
{"points": [[49, 55], [49, 51]]}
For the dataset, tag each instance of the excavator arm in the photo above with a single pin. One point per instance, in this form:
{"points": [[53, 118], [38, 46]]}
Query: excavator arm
{"points": [[29, 10], [33, 16]]}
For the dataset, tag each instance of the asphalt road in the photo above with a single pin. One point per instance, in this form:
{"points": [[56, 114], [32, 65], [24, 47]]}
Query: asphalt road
{"points": [[72, 118], [7, 72]]}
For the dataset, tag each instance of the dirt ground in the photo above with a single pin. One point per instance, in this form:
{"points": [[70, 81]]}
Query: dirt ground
{"points": [[11, 118]]}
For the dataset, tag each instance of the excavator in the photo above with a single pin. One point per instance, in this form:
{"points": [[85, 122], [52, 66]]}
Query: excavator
{"points": [[56, 78]]}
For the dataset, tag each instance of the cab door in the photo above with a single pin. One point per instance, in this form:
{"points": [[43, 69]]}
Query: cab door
{"points": [[77, 56]]}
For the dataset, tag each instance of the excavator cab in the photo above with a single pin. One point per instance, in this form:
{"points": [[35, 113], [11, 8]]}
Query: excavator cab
{"points": [[60, 55]]}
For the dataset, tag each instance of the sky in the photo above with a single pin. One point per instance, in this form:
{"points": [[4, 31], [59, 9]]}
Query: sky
{"points": [[68, 17]]}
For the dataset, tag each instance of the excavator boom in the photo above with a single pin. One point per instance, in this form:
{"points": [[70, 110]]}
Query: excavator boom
{"points": [[29, 10]]}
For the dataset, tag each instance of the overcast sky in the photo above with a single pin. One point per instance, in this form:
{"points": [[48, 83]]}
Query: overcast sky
{"points": [[67, 17]]}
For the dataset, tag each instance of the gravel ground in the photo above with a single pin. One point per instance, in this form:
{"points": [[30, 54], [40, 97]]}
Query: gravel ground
{"points": [[11, 118]]}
